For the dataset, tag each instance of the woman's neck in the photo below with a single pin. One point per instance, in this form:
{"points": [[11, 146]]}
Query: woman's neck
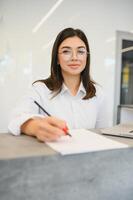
{"points": [[72, 84]]}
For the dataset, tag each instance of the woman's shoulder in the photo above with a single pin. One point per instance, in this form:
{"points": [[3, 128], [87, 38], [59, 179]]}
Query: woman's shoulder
{"points": [[41, 87]]}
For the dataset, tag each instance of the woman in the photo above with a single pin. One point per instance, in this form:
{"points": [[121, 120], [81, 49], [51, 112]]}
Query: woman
{"points": [[69, 95]]}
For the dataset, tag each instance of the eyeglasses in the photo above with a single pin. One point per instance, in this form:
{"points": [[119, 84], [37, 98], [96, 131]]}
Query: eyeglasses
{"points": [[67, 54]]}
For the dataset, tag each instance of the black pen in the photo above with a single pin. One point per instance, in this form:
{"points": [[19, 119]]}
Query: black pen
{"points": [[131, 131], [64, 129]]}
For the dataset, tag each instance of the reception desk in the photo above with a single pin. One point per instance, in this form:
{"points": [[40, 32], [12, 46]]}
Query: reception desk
{"points": [[30, 170]]}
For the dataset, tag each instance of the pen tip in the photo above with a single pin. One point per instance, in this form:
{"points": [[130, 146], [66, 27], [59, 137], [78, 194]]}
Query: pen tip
{"points": [[69, 134]]}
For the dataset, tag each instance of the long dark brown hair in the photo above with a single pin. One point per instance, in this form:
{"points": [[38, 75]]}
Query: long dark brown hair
{"points": [[55, 80]]}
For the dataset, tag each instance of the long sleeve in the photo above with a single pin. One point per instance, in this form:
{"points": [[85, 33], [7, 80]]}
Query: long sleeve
{"points": [[24, 111]]}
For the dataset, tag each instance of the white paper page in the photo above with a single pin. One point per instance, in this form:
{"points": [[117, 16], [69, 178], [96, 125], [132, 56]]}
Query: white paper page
{"points": [[84, 141]]}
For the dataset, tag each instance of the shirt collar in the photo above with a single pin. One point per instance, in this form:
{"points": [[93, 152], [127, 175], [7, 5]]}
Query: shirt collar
{"points": [[81, 88], [65, 89]]}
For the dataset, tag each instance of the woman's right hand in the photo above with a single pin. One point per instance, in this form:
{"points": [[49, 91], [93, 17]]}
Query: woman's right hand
{"points": [[44, 129]]}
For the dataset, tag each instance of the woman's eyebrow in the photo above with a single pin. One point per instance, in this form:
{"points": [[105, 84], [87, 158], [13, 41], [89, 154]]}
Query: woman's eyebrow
{"points": [[68, 47], [81, 47]]}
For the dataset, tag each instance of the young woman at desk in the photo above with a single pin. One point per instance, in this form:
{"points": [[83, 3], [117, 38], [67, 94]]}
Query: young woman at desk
{"points": [[69, 95]]}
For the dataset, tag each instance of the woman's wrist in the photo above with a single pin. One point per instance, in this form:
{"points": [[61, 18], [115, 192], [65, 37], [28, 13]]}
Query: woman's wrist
{"points": [[27, 127]]}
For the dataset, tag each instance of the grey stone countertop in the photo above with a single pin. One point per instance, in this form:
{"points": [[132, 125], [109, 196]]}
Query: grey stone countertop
{"points": [[30, 170]]}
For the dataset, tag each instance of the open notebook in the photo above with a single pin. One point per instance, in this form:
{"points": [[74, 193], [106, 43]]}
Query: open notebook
{"points": [[121, 130]]}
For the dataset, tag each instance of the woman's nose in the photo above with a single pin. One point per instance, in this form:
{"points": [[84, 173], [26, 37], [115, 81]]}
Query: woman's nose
{"points": [[74, 55]]}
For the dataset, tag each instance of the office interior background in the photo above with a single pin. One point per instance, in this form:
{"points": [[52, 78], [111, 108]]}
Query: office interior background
{"points": [[28, 29]]}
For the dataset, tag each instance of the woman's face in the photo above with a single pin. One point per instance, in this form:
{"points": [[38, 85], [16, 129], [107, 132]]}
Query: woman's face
{"points": [[72, 56]]}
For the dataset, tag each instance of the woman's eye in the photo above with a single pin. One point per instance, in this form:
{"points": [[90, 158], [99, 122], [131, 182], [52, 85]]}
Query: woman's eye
{"points": [[81, 52], [66, 51]]}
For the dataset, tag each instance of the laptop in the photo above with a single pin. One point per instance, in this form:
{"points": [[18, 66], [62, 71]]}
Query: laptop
{"points": [[120, 130]]}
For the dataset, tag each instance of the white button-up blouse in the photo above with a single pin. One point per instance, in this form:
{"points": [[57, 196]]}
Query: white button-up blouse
{"points": [[78, 113]]}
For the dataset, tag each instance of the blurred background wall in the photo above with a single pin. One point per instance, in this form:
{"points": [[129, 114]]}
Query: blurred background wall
{"points": [[28, 29]]}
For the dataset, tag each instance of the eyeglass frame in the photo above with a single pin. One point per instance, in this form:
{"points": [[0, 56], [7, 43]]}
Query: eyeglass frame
{"points": [[69, 49]]}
